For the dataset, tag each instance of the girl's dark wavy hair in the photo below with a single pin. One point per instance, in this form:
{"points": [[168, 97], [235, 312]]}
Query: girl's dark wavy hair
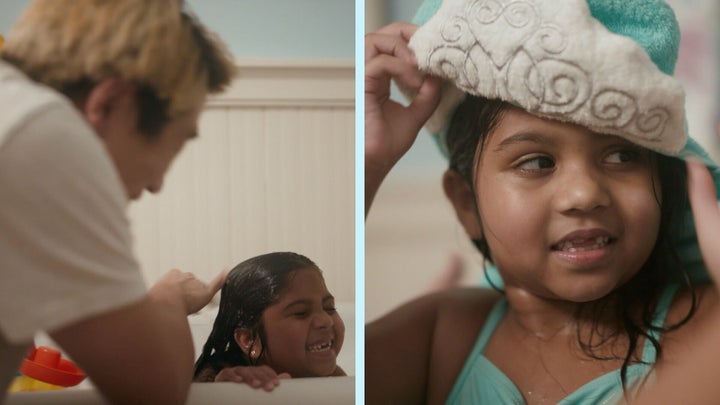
{"points": [[477, 117], [250, 288]]}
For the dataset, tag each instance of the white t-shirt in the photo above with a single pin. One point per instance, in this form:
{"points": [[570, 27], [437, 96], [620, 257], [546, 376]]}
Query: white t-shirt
{"points": [[65, 244]]}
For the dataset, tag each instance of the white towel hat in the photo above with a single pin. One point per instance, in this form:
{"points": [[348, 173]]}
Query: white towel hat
{"points": [[556, 59]]}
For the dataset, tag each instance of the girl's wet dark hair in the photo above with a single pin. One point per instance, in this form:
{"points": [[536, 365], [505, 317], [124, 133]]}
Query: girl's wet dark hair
{"points": [[477, 117], [250, 288]]}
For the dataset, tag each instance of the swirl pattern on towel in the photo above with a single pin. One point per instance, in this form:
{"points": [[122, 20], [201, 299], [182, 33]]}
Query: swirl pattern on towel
{"points": [[528, 55]]}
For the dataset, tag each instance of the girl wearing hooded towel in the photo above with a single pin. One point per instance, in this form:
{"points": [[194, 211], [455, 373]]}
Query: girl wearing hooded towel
{"points": [[565, 134]]}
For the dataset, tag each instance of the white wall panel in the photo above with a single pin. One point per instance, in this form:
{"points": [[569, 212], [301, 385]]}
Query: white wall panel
{"points": [[272, 169]]}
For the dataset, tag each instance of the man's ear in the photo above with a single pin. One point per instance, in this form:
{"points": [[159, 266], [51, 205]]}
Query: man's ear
{"points": [[462, 198], [247, 340], [104, 99]]}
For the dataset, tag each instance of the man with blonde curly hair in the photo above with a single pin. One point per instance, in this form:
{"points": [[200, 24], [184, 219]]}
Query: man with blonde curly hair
{"points": [[98, 98]]}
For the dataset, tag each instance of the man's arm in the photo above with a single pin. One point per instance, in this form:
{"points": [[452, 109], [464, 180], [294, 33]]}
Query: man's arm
{"points": [[143, 352], [139, 354]]}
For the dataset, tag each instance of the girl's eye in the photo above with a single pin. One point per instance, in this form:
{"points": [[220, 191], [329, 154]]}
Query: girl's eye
{"points": [[331, 310], [536, 163], [623, 156], [300, 314]]}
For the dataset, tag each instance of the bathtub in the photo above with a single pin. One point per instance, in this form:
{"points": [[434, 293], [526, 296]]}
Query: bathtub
{"points": [[324, 390]]}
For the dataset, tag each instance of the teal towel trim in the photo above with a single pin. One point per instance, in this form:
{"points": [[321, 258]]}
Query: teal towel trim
{"points": [[427, 9], [651, 23]]}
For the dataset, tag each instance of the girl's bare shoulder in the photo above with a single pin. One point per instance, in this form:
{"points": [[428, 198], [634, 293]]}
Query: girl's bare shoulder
{"points": [[470, 304], [426, 341], [460, 317], [444, 309]]}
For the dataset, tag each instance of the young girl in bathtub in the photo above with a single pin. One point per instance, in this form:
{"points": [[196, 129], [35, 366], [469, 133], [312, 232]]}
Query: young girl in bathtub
{"points": [[276, 320], [564, 129]]}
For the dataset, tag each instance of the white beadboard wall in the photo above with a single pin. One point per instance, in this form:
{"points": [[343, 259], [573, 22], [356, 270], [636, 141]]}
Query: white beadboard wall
{"points": [[272, 170]]}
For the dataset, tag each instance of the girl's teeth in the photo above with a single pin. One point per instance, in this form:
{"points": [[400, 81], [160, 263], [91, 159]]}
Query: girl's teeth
{"points": [[320, 347], [569, 246]]}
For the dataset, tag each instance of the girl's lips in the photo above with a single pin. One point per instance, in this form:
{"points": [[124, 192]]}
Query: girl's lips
{"points": [[321, 346], [582, 245], [584, 240], [585, 248], [324, 353], [586, 258]]}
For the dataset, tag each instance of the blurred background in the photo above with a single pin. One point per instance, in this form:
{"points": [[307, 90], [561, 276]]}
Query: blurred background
{"points": [[261, 28], [413, 241]]}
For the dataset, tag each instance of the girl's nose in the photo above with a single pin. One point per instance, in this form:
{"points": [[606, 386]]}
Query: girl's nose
{"points": [[323, 320], [582, 188]]}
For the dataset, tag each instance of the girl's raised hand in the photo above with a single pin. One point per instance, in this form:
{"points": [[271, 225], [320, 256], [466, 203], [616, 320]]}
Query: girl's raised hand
{"points": [[704, 205], [255, 376], [390, 127]]}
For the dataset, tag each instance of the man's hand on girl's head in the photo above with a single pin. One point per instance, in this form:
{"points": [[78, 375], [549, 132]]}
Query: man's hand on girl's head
{"points": [[187, 289]]}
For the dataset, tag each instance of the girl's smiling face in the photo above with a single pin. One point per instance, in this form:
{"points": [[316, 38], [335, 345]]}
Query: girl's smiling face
{"points": [[567, 213], [304, 331]]}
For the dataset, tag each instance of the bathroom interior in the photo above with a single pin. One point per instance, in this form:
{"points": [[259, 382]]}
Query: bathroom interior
{"points": [[273, 169]]}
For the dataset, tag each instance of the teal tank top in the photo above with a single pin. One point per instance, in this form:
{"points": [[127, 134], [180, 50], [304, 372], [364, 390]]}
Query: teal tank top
{"points": [[481, 382]]}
